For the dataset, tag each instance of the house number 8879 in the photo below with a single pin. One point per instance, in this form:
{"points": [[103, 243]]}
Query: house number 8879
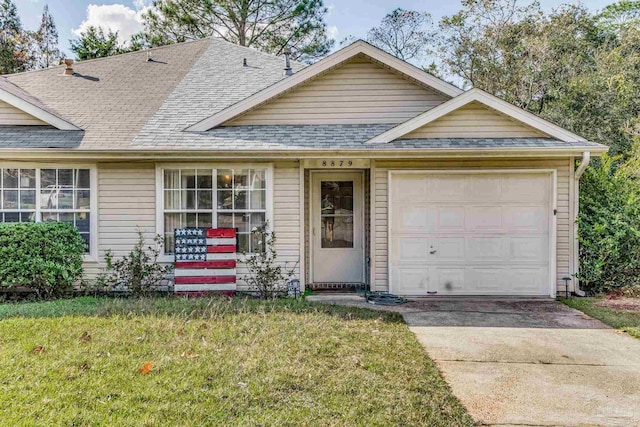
{"points": [[337, 163]]}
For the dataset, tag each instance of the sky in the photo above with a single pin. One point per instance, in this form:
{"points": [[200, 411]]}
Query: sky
{"points": [[345, 17]]}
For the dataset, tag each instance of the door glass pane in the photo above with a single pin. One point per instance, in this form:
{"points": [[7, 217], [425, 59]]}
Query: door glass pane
{"points": [[336, 214]]}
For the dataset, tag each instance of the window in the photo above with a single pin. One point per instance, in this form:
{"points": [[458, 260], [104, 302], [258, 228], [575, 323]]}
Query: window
{"points": [[216, 198], [47, 194]]}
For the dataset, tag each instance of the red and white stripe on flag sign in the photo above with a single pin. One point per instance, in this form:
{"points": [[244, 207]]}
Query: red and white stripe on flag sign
{"points": [[205, 259]]}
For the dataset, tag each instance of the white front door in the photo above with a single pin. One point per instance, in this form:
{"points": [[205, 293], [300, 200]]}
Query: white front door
{"points": [[337, 227]]}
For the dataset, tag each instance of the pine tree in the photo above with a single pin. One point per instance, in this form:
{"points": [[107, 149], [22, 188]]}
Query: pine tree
{"points": [[95, 43], [46, 52]]}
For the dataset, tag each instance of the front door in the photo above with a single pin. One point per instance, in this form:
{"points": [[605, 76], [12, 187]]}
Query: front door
{"points": [[337, 227]]}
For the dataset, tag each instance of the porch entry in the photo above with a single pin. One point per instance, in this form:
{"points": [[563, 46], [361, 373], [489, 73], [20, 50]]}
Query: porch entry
{"points": [[337, 227]]}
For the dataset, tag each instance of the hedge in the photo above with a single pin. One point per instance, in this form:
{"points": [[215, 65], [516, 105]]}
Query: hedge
{"points": [[45, 257]]}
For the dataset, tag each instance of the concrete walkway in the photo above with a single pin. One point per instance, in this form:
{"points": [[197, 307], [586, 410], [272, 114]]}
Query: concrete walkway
{"points": [[527, 362]]}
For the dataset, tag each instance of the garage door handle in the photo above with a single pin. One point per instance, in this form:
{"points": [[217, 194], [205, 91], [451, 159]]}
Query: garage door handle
{"points": [[433, 252]]}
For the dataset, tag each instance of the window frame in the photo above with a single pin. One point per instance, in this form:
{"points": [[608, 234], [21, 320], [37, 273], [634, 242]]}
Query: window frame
{"points": [[160, 211], [92, 255]]}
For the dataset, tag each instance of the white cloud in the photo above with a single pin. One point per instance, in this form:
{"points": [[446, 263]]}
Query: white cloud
{"points": [[114, 17], [332, 32]]}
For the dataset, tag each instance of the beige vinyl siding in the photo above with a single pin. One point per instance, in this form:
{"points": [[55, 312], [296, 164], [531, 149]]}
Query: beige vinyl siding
{"points": [[286, 214], [474, 120], [358, 91], [564, 250], [127, 200], [10, 115]]}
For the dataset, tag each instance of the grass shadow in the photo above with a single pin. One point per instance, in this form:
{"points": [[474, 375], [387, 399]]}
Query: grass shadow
{"points": [[195, 308]]}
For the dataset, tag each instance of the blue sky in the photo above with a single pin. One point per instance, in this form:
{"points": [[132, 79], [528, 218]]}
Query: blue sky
{"points": [[346, 17]]}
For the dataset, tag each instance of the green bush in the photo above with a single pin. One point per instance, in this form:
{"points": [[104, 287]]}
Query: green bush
{"points": [[46, 257], [609, 225], [138, 272]]}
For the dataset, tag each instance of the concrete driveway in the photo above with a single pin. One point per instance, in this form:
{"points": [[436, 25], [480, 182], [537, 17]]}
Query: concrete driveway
{"points": [[530, 362]]}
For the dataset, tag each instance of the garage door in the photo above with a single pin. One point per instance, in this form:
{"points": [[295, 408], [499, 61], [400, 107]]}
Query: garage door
{"points": [[470, 234]]}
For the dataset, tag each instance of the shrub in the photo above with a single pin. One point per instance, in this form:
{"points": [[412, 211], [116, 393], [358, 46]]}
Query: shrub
{"points": [[139, 272], [45, 257], [609, 225], [266, 277]]}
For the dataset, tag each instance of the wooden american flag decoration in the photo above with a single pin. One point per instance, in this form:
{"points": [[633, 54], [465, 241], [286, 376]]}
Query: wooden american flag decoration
{"points": [[205, 259]]}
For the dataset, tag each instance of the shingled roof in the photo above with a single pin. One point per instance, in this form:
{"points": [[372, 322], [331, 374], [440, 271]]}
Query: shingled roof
{"points": [[112, 98], [145, 101]]}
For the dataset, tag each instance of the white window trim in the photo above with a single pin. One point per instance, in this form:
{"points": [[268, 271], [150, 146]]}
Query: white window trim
{"points": [[92, 256], [160, 167]]}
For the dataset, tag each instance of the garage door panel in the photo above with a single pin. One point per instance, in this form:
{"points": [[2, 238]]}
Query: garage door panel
{"points": [[414, 280], [525, 189], [412, 218], [485, 280], [482, 249], [411, 188], [483, 188], [449, 280], [451, 249], [529, 249], [528, 281], [471, 234], [446, 188], [484, 218], [449, 218], [532, 219], [411, 250]]}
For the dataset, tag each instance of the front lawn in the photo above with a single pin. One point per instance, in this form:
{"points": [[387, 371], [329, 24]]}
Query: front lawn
{"points": [[627, 320], [215, 362]]}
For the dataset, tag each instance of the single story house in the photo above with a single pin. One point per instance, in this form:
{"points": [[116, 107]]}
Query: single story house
{"points": [[369, 170]]}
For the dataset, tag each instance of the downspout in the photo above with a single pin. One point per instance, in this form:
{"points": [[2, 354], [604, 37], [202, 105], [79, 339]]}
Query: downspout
{"points": [[584, 163]]}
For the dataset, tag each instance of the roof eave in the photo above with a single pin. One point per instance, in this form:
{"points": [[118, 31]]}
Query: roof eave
{"points": [[200, 154]]}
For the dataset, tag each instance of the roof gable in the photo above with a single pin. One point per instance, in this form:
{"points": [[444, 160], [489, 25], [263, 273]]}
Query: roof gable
{"points": [[342, 56], [17, 107], [475, 120], [358, 91], [514, 121], [12, 116]]}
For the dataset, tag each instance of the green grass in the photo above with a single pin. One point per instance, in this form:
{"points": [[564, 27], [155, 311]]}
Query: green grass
{"points": [[215, 362], [628, 321]]}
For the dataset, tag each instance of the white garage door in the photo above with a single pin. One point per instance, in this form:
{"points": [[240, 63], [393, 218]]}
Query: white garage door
{"points": [[470, 234]]}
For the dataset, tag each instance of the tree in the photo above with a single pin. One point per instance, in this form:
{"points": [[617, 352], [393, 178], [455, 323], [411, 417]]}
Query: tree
{"points": [[95, 43], [406, 34], [46, 52], [516, 52], [270, 26], [620, 16], [14, 43]]}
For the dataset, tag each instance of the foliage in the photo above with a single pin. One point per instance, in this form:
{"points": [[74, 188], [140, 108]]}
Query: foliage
{"points": [[406, 34], [95, 43], [620, 16], [517, 52], [46, 52], [138, 272], [46, 257], [14, 42], [609, 225], [266, 276], [268, 26]]}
